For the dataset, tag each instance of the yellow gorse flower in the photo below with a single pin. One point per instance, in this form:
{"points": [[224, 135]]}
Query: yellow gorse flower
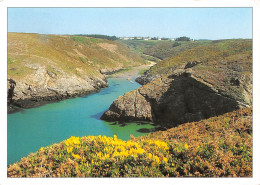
{"points": [[159, 144], [69, 149], [76, 156], [72, 141], [112, 147], [156, 159], [165, 159], [186, 146]]}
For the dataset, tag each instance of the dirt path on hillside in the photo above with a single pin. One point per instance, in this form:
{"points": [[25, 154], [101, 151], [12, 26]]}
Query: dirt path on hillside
{"points": [[133, 72]]}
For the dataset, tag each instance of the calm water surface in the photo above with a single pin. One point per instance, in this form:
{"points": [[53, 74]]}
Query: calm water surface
{"points": [[33, 128]]}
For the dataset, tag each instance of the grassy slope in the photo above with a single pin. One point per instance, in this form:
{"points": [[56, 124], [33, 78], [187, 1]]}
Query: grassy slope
{"points": [[216, 147], [220, 63], [140, 46], [167, 49], [210, 54], [68, 53], [161, 48]]}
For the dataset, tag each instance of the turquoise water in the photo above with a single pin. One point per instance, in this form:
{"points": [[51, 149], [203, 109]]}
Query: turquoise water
{"points": [[36, 127]]}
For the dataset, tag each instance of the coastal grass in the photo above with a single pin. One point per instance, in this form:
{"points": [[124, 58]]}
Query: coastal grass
{"points": [[141, 45], [214, 60], [215, 147], [142, 71], [168, 49], [67, 54]]}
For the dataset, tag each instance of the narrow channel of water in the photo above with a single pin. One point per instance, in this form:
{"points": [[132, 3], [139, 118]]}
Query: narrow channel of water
{"points": [[36, 127]]}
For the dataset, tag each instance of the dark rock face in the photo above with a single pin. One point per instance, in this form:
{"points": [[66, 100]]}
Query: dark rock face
{"points": [[194, 84], [23, 95], [172, 100]]}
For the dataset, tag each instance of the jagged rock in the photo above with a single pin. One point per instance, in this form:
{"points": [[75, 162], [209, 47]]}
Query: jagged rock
{"points": [[131, 106], [205, 81], [184, 96], [39, 88], [172, 100], [22, 94], [46, 68]]}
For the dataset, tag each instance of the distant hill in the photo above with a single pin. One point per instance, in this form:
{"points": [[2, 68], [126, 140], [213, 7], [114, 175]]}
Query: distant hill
{"points": [[161, 49], [167, 49], [99, 36], [140, 46], [52, 67]]}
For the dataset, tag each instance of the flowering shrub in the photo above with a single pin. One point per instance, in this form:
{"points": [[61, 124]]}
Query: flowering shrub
{"points": [[216, 147], [94, 156], [219, 146]]}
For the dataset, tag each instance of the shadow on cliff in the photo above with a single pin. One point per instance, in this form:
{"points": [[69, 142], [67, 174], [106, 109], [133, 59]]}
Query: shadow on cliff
{"points": [[189, 100]]}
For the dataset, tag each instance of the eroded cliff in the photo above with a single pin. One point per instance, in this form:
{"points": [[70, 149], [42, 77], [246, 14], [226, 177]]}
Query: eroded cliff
{"points": [[190, 88], [46, 68]]}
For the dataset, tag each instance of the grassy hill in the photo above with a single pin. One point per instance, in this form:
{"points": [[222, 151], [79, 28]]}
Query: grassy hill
{"points": [[215, 147], [69, 53], [224, 64], [160, 49], [204, 81], [213, 54], [163, 50], [141, 46], [46, 68]]}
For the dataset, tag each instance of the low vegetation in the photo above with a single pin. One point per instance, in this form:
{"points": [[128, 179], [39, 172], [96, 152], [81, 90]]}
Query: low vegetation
{"points": [[161, 49], [168, 49], [220, 63], [216, 147], [208, 53], [27, 52], [100, 36]]}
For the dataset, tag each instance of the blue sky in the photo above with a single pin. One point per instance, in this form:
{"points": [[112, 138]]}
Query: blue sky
{"points": [[197, 23]]}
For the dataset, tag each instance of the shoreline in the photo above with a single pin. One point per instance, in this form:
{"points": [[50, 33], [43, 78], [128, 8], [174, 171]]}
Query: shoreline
{"points": [[132, 72], [14, 107]]}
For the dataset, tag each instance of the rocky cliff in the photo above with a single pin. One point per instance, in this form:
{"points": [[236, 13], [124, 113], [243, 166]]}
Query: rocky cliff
{"points": [[213, 81], [46, 68]]}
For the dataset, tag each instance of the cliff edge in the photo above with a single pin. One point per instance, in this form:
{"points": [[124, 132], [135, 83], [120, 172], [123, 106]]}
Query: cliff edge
{"points": [[46, 68], [205, 81]]}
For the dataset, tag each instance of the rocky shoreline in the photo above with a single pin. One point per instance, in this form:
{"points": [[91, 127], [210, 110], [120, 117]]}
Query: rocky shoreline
{"points": [[22, 95], [172, 100], [187, 91], [35, 96]]}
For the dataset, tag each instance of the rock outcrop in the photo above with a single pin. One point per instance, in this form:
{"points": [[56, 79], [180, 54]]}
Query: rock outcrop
{"points": [[43, 87], [187, 91], [172, 100], [46, 68]]}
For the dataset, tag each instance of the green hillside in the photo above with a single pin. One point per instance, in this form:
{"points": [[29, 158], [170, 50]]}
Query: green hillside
{"points": [[67, 52], [216, 57], [167, 49]]}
